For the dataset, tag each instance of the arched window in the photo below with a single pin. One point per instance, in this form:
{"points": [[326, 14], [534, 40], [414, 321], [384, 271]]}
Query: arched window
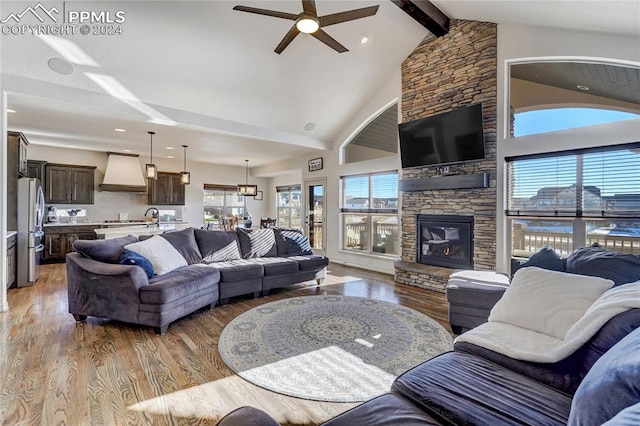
{"points": [[378, 139], [557, 95]]}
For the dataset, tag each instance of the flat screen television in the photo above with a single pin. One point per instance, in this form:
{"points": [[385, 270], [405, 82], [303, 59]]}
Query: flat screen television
{"points": [[451, 137]]}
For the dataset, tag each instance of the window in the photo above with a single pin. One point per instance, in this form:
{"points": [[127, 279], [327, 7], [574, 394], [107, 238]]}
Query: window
{"points": [[289, 206], [378, 139], [370, 213], [569, 200], [221, 201]]}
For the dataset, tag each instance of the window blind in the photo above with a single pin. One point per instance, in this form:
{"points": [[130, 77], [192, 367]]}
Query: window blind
{"points": [[593, 183], [370, 193]]}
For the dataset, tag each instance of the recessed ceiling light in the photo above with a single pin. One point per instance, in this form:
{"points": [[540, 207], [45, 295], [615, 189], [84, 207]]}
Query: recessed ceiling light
{"points": [[117, 129], [169, 156], [70, 146], [126, 150], [60, 66], [11, 111], [364, 39], [582, 87], [168, 147], [309, 126]]}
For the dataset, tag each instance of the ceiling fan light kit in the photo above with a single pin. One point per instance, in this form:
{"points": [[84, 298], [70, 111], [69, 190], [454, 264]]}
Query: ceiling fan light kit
{"points": [[309, 22]]}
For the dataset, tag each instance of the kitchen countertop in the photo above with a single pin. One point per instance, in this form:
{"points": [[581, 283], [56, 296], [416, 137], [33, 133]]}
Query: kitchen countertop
{"points": [[119, 224], [123, 231]]}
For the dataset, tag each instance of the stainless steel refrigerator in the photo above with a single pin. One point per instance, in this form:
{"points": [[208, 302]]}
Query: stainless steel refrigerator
{"points": [[30, 231]]}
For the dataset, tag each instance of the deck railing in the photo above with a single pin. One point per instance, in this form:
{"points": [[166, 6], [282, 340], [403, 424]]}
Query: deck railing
{"points": [[527, 242]]}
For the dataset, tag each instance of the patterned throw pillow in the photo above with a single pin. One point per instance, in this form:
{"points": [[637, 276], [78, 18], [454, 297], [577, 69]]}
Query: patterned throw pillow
{"points": [[294, 247], [263, 243], [299, 238], [217, 246]]}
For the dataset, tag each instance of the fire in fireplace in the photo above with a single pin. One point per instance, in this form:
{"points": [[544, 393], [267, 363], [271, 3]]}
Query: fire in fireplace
{"points": [[445, 240]]}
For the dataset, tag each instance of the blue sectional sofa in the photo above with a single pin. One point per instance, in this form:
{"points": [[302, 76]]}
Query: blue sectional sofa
{"points": [[156, 280]]}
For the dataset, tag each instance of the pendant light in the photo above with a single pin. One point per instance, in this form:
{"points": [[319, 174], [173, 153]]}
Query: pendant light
{"points": [[150, 169], [246, 189], [185, 176]]}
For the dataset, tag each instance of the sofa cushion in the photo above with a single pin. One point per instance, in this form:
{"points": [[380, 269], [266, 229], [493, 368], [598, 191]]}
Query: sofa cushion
{"points": [[160, 252], [108, 251], [277, 265], [621, 268], [567, 374], [132, 258], [547, 258], [309, 262], [385, 410], [261, 242], [469, 390], [612, 384], [185, 242], [217, 246], [626, 417], [564, 298], [281, 243], [238, 270], [178, 284]]}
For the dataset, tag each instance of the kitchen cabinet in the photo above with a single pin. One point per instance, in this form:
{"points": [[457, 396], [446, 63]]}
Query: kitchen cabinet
{"points": [[58, 240], [36, 169], [16, 168], [69, 184], [166, 190], [11, 260]]}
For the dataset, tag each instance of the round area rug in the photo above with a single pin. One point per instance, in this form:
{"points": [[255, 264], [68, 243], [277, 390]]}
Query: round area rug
{"points": [[329, 348]]}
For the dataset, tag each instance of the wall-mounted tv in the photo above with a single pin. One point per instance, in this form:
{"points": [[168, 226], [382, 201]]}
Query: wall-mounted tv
{"points": [[450, 137]]}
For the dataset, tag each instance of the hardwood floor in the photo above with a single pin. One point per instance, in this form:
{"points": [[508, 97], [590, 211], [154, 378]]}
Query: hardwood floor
{"points": [[56, 371]]}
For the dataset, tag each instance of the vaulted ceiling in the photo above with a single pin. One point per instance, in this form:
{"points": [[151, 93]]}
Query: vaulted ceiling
{"points": [[212, 73]]}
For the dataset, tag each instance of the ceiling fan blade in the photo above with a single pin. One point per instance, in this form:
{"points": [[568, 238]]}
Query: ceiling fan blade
{"points": [[273, 13], [309, 6], [329, 41], [288, 38], [349, 15]]}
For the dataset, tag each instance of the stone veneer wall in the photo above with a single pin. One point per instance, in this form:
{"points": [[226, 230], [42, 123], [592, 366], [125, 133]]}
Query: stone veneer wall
{"points": [[442, 74]]}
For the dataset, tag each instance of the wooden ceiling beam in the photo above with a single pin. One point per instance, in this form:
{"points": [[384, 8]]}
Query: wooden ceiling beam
{"points": [[426, 14]]}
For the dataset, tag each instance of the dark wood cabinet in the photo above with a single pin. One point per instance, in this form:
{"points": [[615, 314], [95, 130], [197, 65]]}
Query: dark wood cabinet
{"points": [[68, 184], [166, 190], [36, 169], [16, 168], [58, 240]]}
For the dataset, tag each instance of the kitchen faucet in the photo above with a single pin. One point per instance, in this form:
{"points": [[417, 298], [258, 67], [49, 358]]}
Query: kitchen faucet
{"points": [[154, 215]]}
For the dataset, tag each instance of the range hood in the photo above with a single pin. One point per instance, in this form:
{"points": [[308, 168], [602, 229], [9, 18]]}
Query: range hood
{"points": [[123, 174]]}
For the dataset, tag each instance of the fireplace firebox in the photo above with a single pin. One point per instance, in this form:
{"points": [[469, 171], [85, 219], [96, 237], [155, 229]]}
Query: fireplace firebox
{"points": [[445, 240]]}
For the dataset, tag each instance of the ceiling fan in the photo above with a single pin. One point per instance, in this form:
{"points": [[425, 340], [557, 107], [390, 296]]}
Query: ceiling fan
{"points": [[309, 22]]}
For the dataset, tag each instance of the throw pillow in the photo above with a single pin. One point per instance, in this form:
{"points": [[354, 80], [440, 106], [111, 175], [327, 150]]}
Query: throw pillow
{"points": [[263, 243], [294, 246], [108, 251], [160, 252], [299, 237], [595, 261], [548, 302], [132, 258], [547, 258], [612, 384], [185, 242], [218, 246]]}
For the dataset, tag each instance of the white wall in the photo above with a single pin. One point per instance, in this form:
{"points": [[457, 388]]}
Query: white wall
{"points": [[107, 205], [520, 42]]}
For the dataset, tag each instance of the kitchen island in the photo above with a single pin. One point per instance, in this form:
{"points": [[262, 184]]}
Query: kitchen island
{"points": [[137, 230]]}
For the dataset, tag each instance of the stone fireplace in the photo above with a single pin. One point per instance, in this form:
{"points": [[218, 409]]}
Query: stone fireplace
{"points": [[442, 74], [445, 240]]}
